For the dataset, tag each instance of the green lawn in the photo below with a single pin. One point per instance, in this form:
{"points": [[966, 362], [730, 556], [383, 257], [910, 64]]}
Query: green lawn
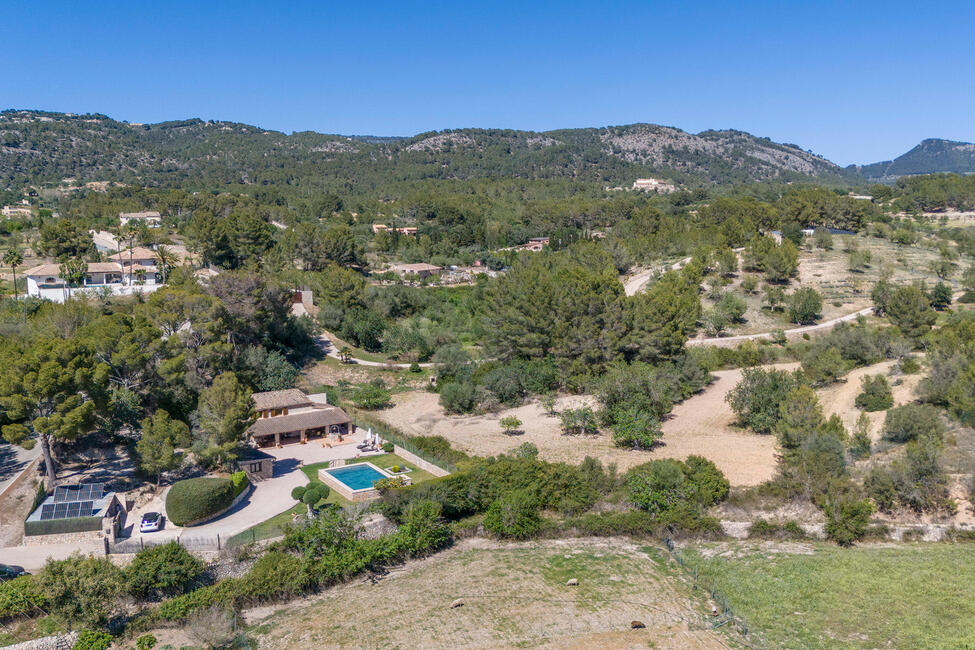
{"points": [[907, 596], [274, 526]]}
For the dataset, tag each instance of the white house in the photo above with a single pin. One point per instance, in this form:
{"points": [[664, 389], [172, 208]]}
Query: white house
{"points": [[654, 185], [151, 219], [139, 261], [45, 281], [16, 210]]}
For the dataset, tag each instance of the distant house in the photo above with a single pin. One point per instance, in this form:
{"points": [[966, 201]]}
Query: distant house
{"points": [[151, 218], [654, 185], [45, 281], [290, 416], [139, 258], [421, 270], [381, 227], [16, 211]]}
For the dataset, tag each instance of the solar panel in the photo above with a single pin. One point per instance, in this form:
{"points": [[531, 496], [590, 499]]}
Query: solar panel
{"points": [[82, 492], [60, 510], [73, 508], [47, 512], [85, 508]]}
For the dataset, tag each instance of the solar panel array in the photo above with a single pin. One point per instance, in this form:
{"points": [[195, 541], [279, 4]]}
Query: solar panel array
{"points": [[67, 510], [83, 492]]}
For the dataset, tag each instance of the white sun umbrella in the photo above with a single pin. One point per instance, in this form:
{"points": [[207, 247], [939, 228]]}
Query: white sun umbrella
{"points": [[369, 435]]}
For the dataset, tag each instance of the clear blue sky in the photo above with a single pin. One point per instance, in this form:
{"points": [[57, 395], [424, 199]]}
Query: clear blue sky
{"points": [[855, 81]]}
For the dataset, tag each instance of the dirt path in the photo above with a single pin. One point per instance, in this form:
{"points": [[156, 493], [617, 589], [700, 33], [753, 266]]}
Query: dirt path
{"points": [[702, 425], [839, 398]]}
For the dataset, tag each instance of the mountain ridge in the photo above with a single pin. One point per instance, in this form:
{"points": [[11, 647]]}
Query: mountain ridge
{"points": [[46, 147], [930, 156]]}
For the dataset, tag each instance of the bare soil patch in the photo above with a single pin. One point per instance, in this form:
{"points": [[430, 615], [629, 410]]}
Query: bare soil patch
{"points": [[701, 425]]}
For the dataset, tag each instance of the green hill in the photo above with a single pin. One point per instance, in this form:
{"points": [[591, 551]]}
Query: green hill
{"points": [[931, 156], [41, 147]]}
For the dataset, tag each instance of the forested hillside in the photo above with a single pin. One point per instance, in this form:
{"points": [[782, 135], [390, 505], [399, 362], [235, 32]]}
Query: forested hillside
{"points": [[39, 147], [931, 156]]}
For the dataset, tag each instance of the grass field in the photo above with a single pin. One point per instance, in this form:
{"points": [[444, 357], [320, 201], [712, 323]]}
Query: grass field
{"points": [[822, 596], [514, 596]]}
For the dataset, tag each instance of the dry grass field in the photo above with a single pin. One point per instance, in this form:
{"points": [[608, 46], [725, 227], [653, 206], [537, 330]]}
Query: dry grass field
{"points": [[701, 425], [514, 595], [828, 272]]}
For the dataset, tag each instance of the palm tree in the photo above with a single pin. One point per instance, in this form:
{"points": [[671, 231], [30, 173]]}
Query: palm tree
{"points": [[73, 271], [13, 258], [166, 259]]}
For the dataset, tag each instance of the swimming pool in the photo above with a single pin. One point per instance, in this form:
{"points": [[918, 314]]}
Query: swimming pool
{"points": [[358, 476]]}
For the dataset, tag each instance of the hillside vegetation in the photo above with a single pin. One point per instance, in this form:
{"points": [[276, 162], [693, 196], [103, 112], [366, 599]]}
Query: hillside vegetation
{"points": [[48, 147]]}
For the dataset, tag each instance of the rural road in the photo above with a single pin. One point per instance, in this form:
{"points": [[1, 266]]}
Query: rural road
{"points": [[330, 349]]}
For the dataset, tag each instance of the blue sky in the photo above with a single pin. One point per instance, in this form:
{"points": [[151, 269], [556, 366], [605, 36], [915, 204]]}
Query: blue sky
{"points": [[855, 81]]}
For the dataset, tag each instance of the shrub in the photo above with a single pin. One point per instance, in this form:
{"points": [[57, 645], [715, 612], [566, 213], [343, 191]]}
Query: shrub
{"points": [[661, 486], [805, 304], [276, 576], [909, 366], [145, 642], [911, 421], [415, 368], [313, 494], [514, 515], [240, 482], [764, 529], [196, 499], [388, 447], [756, 398], [876, 394], [424, 530], [371, 396], [847, 519], [581, 421], [635, 429], [165, 570], [81, 589], [711, 486], [510, 424], [21, 597], [213, 627], [93, 640], [458, 397]]}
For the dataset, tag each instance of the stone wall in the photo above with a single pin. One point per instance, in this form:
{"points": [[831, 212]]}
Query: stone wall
{"points": [[92, 536], [47, 642]]}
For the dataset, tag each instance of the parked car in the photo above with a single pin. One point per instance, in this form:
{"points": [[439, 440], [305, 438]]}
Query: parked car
{"points": [[9, 572], [151, 522]]}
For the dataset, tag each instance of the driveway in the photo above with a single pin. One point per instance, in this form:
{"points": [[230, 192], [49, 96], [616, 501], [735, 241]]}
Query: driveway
{"points": [[268, 498], [13, 461]]}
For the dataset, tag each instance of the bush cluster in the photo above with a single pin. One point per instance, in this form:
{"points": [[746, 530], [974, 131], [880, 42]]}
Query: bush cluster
{"points": [[876, 394]]}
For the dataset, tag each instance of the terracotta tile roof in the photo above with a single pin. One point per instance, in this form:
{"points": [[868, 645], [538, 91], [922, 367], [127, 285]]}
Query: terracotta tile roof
{"points": [[280, 399], [93, 267], [320, 417], [138, 253]]}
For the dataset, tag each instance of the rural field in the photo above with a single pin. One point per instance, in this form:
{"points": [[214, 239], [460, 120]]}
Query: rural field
{"points": [[821, 596], [828, 272], [514, 595], [701, 425]]}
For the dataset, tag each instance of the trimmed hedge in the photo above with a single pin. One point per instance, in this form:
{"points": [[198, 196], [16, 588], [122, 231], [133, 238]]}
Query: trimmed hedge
{"points": [[196, 499], [62, 526], [239, 479]]}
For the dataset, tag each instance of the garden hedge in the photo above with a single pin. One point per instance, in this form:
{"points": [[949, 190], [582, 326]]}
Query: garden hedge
{"points": [[196, 499]]}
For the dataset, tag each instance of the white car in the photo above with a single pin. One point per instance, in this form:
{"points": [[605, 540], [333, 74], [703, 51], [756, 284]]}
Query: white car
{"points": [[151, 522]]}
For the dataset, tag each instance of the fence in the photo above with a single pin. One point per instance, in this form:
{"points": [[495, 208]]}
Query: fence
{"points": [[189, 542], [726, 614], [407, 442]]}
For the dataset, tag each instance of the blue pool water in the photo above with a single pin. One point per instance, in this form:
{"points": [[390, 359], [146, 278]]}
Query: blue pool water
{"points": [[357, 476]]}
